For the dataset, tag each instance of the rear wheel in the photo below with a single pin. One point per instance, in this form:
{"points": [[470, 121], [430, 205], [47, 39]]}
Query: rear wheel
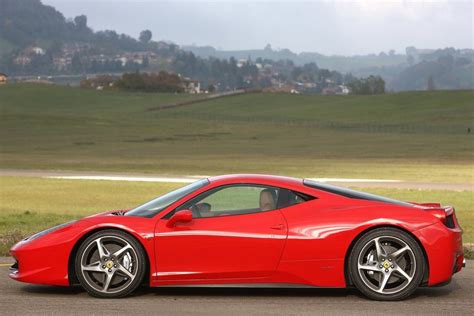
{"points": [[386, 264], [110, 264]]}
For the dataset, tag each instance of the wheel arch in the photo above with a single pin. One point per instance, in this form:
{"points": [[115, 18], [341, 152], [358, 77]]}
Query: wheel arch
{"points": [[347, 277], [72, 277]]}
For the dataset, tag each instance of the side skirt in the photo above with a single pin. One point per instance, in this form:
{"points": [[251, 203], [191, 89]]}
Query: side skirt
{"points": [[245, 285]]}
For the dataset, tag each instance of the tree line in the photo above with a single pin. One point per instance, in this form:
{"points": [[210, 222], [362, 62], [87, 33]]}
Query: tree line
{"points": [[369, 85]]}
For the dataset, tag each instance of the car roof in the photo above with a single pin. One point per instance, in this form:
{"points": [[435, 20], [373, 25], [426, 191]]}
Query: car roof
{"points": [[256, 178]]}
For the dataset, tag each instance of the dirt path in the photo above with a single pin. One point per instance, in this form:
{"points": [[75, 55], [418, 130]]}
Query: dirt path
{"points": [[198, 100], [144, 177]]}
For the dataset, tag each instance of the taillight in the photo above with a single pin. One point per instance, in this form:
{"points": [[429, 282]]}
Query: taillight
{"points": [[445, 215]]}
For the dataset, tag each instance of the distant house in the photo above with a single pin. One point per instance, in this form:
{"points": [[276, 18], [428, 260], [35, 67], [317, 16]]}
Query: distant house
{"points": [[281, 89], [192, 86], [22, 60], [38, 51], [122, 59], [62, 63], [242, 62], [343, 89], [3, 78], [31, 51], [329, 91]]}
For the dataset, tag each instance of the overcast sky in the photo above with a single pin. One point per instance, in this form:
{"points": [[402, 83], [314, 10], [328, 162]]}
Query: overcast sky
{"points": [[343, 27]]}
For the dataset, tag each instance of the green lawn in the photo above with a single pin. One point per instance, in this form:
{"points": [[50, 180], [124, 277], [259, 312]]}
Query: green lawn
{"points": [[417, 136], [28, 205]]}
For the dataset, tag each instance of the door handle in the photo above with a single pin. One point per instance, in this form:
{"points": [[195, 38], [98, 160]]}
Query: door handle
{"points": [[277, 227]]}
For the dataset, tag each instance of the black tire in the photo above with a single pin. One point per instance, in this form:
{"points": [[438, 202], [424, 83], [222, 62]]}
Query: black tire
{"points": [[383, 280], [115, 274]]}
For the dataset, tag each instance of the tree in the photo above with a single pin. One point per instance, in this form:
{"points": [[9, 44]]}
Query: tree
{"points": [[430, 85], [145, 36], [81, 22], [76, 64], [211, 88], [161, 82], [369, 85]]}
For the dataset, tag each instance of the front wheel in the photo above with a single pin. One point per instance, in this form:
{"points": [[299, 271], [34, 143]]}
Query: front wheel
{"points": [[386, 264], [110, 264]]}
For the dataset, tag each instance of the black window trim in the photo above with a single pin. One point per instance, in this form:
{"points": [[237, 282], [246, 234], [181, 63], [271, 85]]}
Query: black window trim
{"points": [[352, 194]]}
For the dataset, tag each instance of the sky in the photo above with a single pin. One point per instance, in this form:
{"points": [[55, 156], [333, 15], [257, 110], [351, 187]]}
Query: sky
{"points": [[342, 27]]}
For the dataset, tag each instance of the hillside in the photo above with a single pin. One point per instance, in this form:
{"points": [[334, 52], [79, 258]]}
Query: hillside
{"points": [[352, 64], [26, 23], [37, 40], [405, 135], [449, 68]]}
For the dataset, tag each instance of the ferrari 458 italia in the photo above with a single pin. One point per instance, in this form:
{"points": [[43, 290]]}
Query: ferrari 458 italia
{"points": [[251, 230]]}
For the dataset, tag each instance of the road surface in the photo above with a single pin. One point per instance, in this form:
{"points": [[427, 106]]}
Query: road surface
{"points": [[141, 177], [21, 299]]}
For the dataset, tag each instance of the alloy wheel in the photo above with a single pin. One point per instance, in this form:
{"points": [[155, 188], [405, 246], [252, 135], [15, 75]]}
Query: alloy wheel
{"points": [[109, 264], [386, 265]]}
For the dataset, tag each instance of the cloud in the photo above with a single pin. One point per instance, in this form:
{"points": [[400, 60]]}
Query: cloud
{"points": [[331, 27]]}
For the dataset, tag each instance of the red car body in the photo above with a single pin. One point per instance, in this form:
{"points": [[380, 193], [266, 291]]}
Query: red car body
{"points": [[304, 244]]}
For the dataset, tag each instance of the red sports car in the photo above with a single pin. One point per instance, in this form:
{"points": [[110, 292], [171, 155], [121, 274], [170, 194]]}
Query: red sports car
{"points": [[251, 230]]}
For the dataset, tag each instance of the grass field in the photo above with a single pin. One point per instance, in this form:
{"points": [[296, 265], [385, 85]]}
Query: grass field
{"points": [[420, 136], [415, 136], [28, 205]]}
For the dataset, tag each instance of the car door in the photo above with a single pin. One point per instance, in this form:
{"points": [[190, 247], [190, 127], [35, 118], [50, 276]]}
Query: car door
{"points": [[236, 233]]}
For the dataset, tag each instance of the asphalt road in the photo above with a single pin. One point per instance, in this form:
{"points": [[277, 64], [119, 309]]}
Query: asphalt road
{"points": [[21, 299]]}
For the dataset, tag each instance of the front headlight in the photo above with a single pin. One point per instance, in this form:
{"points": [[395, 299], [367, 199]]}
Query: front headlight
{"points": [[47, 231]]}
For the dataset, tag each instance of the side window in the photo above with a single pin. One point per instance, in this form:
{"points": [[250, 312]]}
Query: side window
{"points": [[233, 200], [242, 199], [288, 198]]}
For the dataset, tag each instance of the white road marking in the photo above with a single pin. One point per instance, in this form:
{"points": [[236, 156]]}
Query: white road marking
{"points": [[124, 178], [192, 179], [354, 180]]}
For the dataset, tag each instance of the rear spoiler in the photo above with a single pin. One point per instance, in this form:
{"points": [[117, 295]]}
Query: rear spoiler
{"points": [[434, 205], [444, 213]]}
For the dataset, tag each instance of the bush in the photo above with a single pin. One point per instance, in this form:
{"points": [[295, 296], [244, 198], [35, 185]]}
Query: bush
{"points": [[369, 85], [161, 82]]}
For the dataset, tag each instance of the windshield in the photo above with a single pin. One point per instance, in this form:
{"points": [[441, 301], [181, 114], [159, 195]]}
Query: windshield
{"points": [[353, 194], [155, 206]]}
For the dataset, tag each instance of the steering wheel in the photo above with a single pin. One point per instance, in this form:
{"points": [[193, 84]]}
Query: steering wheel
{"points": [[195, 211]]}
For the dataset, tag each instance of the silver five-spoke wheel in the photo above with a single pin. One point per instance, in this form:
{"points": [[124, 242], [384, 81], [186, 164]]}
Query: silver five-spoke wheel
{"points": [[109, 264], [386, 264]]}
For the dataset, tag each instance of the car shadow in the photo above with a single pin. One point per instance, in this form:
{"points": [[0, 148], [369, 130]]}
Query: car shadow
{"points": [[241, 291], [201, 291], [440, 291], [53, 290]]}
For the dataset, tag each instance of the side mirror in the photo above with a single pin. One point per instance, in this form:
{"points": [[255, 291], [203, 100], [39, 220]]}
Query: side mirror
{"points": [[184, 216]]}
